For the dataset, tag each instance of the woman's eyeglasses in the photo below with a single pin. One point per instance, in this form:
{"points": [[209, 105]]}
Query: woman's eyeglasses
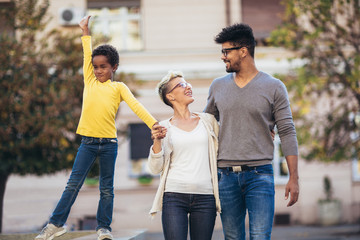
{"points": [[181, 84]]}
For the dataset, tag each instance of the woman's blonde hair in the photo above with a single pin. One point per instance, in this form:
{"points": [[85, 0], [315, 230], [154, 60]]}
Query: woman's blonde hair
{"points": [[162, 87]]}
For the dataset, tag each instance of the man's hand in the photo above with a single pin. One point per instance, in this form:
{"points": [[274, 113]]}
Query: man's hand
{"points": [[292, 188], [84, 25]]}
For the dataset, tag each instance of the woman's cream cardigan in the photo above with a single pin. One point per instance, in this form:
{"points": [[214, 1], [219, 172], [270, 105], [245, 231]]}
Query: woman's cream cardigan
{"points": [[160, 162]]}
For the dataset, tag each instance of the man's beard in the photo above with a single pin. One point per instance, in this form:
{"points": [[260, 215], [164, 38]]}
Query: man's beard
{"points": [[230, 69]]}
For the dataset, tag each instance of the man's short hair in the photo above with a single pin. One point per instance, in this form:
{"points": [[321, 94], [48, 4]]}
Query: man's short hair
{"points": [[239, 34], [109, 52]]}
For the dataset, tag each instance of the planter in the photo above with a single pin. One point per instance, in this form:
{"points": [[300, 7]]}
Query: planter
{"points": [[91, 182], [145, 180], [329, 212]]}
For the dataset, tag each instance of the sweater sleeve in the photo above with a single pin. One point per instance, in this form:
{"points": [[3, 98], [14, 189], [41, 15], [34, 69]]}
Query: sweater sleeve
{"points": [[156, 161], [88, 69], [136, 106], [215, 124], [284, 121], [211, 106]]}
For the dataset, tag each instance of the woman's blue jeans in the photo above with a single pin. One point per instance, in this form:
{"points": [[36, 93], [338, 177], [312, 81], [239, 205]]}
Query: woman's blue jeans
{"points": [[181, 210], [250, 190], [91, 148]]}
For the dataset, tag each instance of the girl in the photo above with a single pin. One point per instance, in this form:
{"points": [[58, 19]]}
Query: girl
{"points": [[101, 99]]}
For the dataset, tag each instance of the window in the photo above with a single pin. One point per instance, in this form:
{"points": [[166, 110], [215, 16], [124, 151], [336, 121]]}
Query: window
{"points": [[118, 21], [354, 119], [262, 16], [356, 170], [140, 142]]}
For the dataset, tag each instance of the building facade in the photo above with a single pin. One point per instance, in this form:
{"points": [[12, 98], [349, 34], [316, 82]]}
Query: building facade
{"points": [[154, 36]]}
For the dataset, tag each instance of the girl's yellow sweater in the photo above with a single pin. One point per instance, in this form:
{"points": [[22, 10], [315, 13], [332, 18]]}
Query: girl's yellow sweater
{"points": [[101, 101]]}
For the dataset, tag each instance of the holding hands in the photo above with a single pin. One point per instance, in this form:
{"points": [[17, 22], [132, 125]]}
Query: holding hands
{"points": [[158, 132]]}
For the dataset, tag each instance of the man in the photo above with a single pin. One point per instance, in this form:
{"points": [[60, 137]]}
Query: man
{"points": [[248, 104]]}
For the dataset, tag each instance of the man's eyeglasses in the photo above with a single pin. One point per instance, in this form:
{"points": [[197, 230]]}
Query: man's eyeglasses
{"points": [[181, 84], [226, 50]]}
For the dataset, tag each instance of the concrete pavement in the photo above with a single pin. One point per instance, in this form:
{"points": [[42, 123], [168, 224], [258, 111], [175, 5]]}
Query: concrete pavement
{"points": [[30, 200], [343, 232]]}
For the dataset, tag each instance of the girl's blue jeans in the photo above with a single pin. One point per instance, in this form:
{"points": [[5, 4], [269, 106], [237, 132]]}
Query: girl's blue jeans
{"points": [[180, 210], [90, 148], [250, 190]]}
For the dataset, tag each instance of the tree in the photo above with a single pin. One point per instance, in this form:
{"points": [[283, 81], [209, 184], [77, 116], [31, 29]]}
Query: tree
{"points": [[325, 91], [40, 95], [41, 88]]}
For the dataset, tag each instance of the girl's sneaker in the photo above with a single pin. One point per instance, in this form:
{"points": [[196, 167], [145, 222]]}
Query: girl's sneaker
{"points": [[50, 231], [103, 234]]}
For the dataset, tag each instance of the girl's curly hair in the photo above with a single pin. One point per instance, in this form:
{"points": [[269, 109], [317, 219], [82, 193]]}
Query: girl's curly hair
{"points": [[109, 52]]}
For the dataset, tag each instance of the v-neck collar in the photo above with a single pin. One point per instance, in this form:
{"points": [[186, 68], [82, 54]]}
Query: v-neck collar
{"points": [[248, 84]]}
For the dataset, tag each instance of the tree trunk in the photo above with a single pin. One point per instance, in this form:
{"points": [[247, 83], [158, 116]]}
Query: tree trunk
{"points": [[3, 180]]}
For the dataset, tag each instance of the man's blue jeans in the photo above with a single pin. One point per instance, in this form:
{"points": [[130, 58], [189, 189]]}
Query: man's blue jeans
{"points": [[91, 148], [181, 210], [251, 190]]}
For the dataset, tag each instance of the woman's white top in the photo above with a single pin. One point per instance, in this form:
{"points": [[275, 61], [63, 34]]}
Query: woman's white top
{"points": [[189, 168]]}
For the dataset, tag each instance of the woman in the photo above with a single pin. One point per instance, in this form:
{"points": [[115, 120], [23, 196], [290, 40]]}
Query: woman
{"points": [[184, 152]]}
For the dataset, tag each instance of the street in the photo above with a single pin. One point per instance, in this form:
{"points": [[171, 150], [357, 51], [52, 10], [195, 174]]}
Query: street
{"points": [[30, 200]]}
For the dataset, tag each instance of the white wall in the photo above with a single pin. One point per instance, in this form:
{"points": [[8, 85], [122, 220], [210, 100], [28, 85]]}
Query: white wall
{"points": [[182, 24]]}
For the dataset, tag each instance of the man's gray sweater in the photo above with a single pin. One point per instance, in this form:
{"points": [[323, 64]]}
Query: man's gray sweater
{"points": [[247, 115]]}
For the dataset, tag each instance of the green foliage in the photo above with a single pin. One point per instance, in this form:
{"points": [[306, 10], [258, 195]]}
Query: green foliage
{"points": [[145, 179], [325, 91], [327, 188], [41, 87], [40, 93]]}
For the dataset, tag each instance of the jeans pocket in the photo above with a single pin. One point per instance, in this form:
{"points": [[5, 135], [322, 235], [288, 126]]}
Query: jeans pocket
{"points": [[266, 170], [265, 173], [173, 199], [168, 196]]}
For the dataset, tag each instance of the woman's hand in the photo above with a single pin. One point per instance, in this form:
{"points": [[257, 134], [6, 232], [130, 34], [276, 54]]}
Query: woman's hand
{"points": [[158, 132], [272, 132]]}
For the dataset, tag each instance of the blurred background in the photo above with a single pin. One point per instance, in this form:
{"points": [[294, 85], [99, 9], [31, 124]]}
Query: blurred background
{"points": [[312, 46]]}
